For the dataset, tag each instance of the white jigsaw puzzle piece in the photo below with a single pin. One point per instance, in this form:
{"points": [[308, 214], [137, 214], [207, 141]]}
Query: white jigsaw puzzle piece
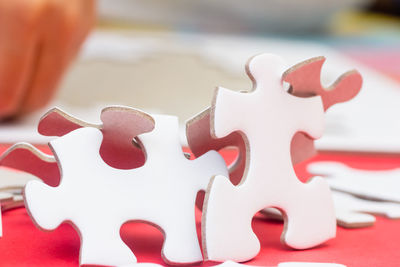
{"points": [[162, 192], [374, 185], [352, 212], [268, 117], [309, 264]]}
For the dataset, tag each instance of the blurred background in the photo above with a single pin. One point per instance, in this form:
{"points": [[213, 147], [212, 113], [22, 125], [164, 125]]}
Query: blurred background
{"points": [[167, 56]]}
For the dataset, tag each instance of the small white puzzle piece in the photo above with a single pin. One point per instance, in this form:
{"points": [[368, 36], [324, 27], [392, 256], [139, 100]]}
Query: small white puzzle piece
{"points": [[268, 117], [161, 192], [373, 185], [352, 212]]}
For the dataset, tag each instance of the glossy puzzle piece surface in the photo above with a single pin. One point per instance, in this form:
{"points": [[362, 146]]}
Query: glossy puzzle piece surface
{"points": [[374, 185], [119, 127], [304, 79], [352, 212], [161, 192], [268, 117]]}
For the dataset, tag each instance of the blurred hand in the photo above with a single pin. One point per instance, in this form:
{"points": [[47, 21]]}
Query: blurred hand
{"points": [[38, 40]]}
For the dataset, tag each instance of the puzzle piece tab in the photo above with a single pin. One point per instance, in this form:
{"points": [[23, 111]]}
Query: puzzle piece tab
{"points": [[98, 199], [268, 117]]}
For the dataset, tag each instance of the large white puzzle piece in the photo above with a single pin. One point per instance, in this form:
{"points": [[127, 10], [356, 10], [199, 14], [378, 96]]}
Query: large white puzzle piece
{"points": [[98, 199], [268, 117], [352, 212], [11, 180], [374, 185], [200, 141]]}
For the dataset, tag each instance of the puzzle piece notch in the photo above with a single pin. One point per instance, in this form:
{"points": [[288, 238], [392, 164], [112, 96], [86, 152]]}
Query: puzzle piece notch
{"points": [[120, 125], [269, 172], [372, 185], [165, 187], [352, 212], [305, 81]]}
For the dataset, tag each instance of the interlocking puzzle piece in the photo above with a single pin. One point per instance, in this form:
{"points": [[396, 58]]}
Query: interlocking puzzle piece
{"points": [[304, 79], [352, 212], [268, 117], [373, 185], [161, 192], [119, 128], [3, 198]]}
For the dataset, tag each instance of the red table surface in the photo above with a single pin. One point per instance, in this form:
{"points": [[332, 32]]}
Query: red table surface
{"points": [[23, 244]]}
